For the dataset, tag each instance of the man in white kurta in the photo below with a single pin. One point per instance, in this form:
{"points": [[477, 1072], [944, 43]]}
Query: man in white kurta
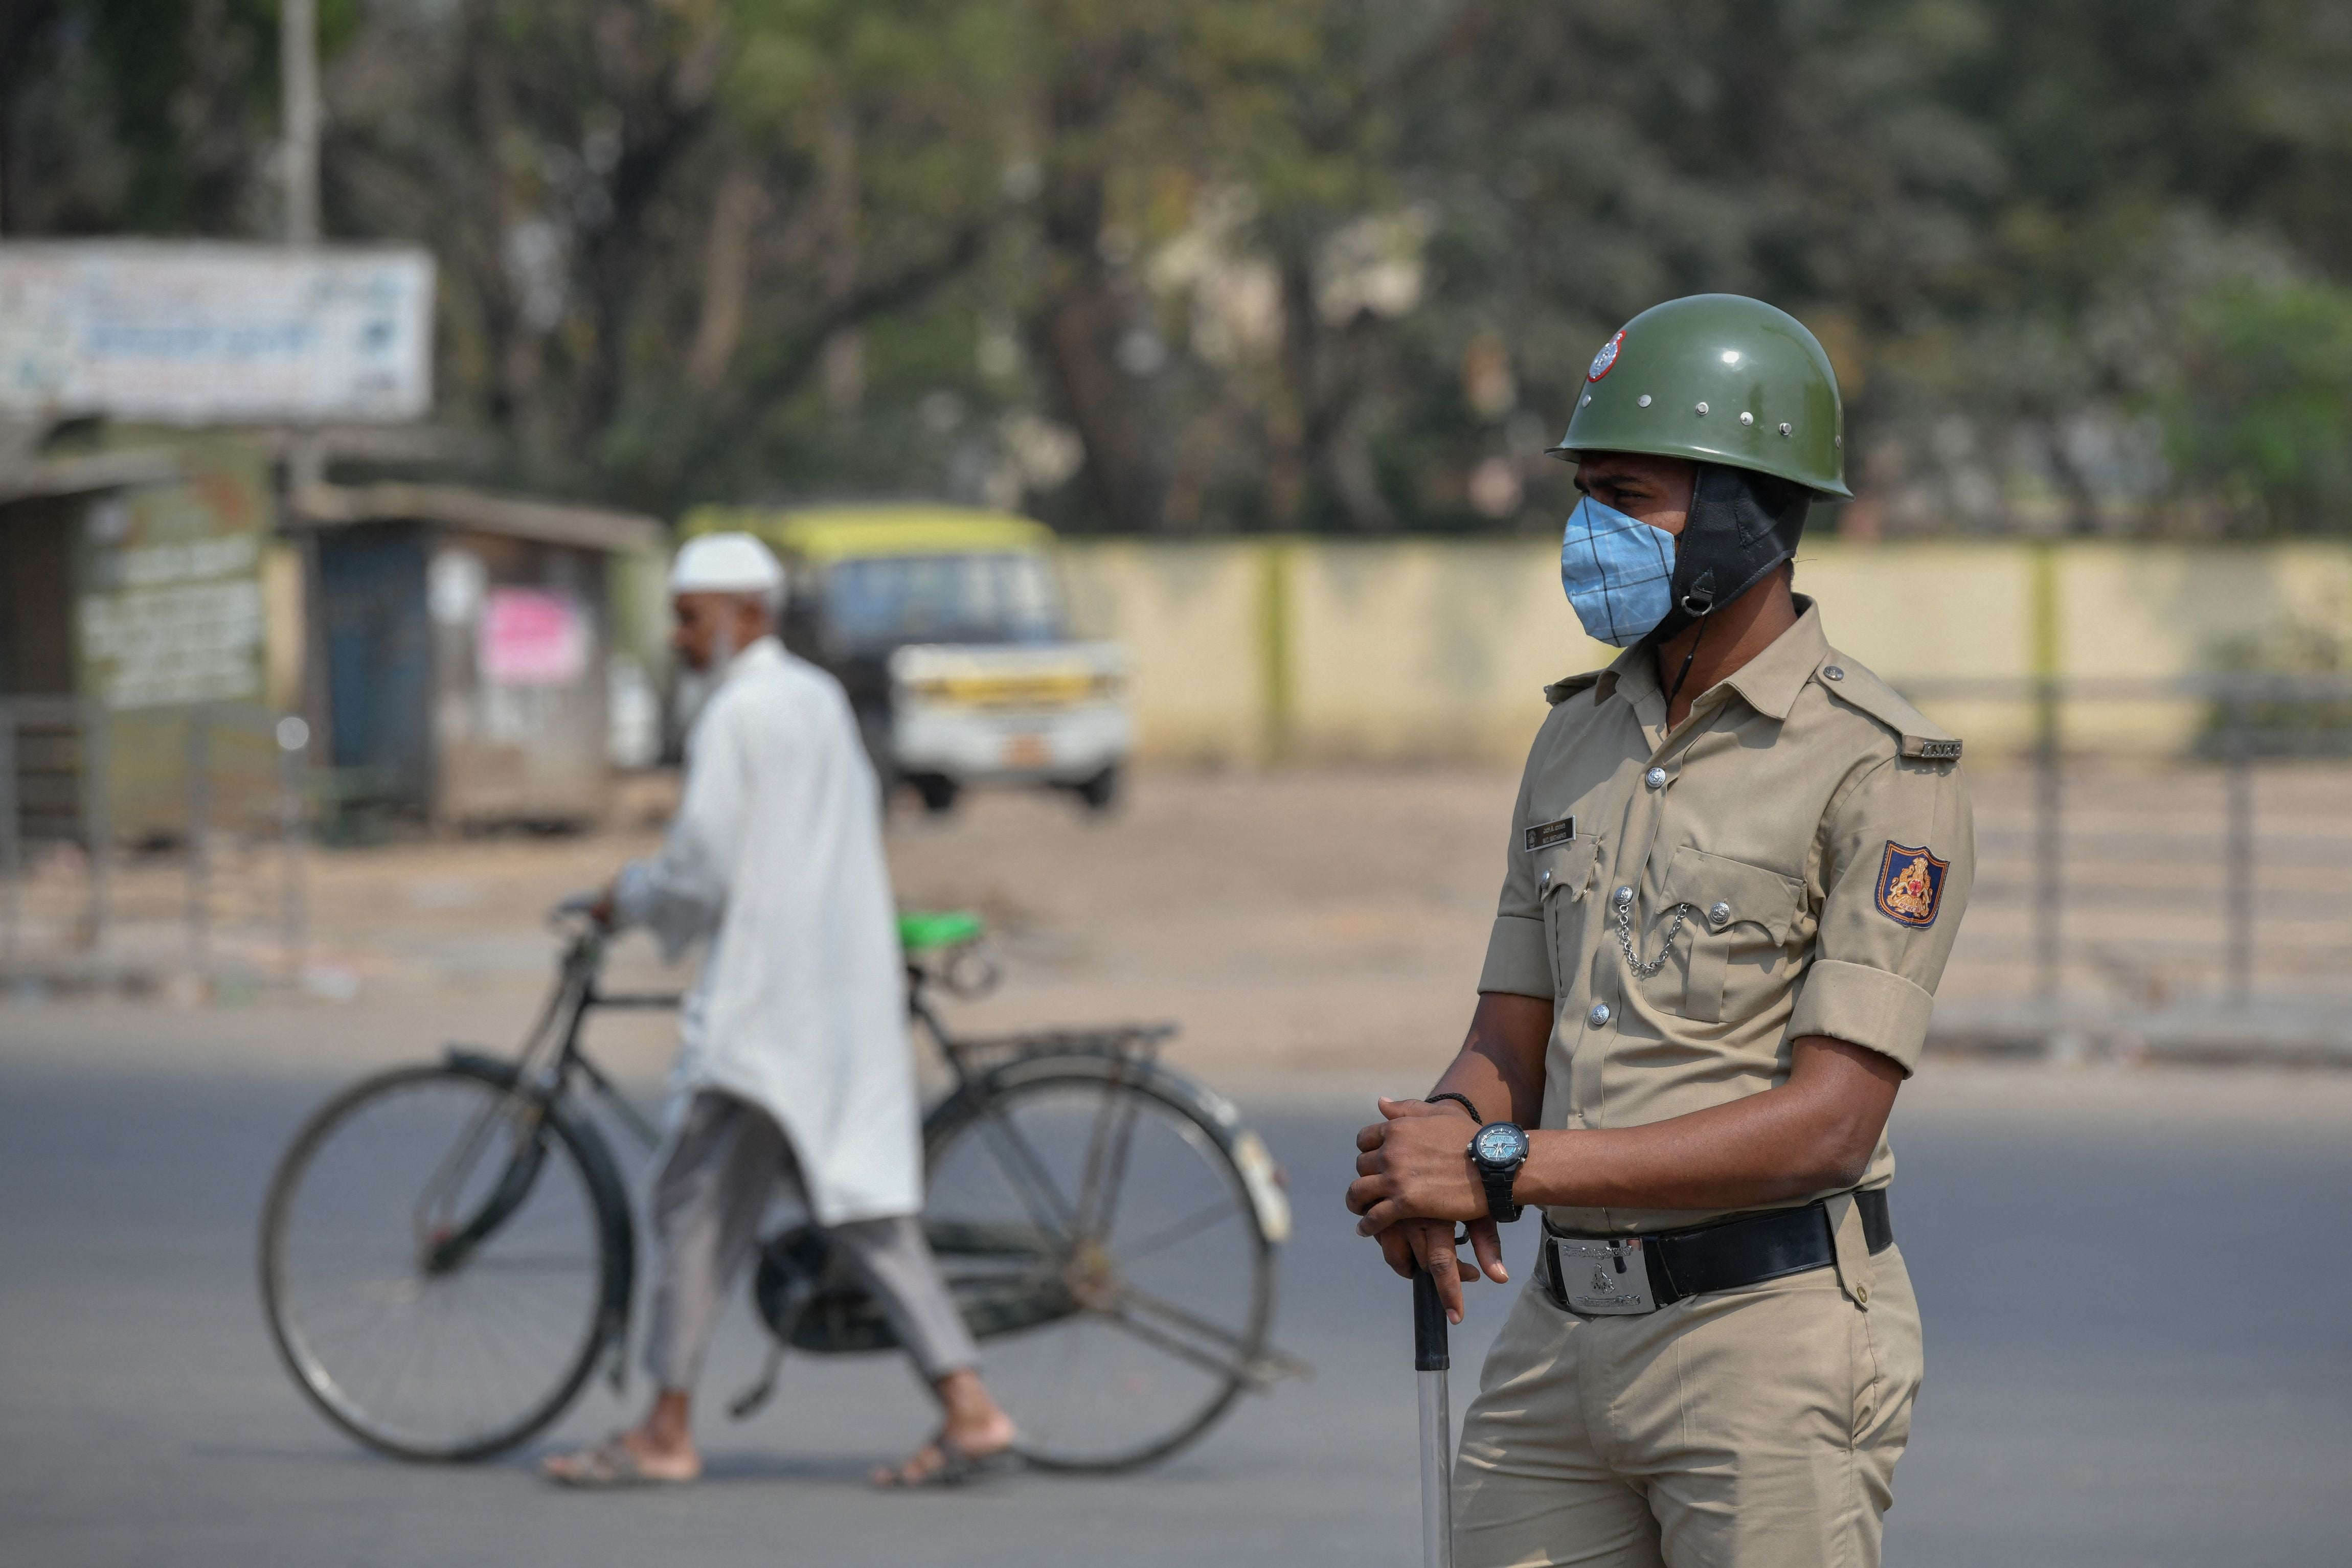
{"points": [[793, 1068]]}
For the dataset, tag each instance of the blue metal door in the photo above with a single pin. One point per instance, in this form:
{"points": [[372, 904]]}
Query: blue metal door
{"points": [[379, 645]]}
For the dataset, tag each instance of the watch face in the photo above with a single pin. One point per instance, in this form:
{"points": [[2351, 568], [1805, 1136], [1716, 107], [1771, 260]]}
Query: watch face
{"points": [[1501, 1143]]}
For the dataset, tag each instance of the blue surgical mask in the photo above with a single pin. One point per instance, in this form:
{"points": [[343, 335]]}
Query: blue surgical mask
{"points": [[1619, 572]]}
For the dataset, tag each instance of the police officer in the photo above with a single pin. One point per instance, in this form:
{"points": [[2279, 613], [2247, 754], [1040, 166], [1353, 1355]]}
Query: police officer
{"points": [[1736, 867]]}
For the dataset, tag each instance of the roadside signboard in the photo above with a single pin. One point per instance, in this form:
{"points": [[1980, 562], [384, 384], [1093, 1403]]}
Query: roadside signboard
{"points": [[215, 334], [171, 603]]}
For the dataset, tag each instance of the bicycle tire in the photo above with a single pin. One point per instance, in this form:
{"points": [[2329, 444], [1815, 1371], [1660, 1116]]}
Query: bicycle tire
{"points": [[1215, 1131], [567, 1139]]}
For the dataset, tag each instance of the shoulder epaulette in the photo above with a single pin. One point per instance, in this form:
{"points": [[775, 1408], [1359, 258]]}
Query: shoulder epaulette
{"points": [[1858, 687], [1560, 692]]}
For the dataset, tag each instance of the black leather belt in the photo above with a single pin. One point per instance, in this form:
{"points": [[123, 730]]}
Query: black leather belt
{"points": [[1731, 1253]]}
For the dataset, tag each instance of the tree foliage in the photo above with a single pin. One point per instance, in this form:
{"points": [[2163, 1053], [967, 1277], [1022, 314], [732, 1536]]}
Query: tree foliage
{"points": [[1217, 265]]}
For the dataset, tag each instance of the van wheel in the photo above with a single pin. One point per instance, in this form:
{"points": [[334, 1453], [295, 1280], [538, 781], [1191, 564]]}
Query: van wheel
{"points": [[1101, 791], [937, 790]]}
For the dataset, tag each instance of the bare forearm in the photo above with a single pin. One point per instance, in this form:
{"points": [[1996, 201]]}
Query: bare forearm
{"points": [[1500, 1066], [1815, 1132]]}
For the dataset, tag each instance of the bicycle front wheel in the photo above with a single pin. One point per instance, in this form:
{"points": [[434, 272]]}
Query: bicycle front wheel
{"points": [[1111, 1193], [442, 1263]]}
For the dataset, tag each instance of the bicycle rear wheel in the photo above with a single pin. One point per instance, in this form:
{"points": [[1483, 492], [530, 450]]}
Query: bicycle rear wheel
{"points": [[1112, 1189], [443, 1262]]}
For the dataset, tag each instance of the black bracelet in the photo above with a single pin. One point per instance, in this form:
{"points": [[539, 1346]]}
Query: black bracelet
{"points": [[1462, 1099]]}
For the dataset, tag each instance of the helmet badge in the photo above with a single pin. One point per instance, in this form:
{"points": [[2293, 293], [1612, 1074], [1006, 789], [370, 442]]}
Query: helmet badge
{"points": [[1606, 360]]}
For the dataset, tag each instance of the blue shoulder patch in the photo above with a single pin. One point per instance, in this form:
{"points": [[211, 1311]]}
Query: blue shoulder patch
{"points": [[1910, 884]]}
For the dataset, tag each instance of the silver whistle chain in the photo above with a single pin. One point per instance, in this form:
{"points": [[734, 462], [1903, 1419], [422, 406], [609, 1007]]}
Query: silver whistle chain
{"points": [[1642, 971]]}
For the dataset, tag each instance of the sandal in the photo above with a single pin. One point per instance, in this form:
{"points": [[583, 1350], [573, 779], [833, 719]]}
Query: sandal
{"points": [[956, 1467], [610, 1465]]}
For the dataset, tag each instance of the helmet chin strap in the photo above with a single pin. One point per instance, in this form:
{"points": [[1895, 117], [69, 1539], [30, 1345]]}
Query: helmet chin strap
{"points": [[1682, 675], [1698, 603]]}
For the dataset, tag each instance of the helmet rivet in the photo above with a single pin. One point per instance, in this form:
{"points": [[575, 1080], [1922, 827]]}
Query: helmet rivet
{"points": [[1588, 398], [1747, 419], [1786, 430], [1702, 408], [1642, 402]]}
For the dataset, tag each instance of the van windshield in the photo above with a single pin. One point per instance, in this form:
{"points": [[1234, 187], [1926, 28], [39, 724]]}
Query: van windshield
{"points": [[881, 601]]}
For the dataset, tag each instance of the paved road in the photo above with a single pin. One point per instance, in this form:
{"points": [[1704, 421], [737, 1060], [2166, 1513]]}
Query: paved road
{"points": [[2140, 1354]]}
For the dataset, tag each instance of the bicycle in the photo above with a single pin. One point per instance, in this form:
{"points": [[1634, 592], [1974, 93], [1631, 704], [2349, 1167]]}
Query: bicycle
{"points": [[448, 1252]]}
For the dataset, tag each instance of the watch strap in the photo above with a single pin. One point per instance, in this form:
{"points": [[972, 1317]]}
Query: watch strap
{"points": [[1498, 1184]]}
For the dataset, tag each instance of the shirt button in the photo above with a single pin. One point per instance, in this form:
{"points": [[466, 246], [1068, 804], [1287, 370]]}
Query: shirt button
{"points": [[1544, 880], [1622, 897], [1655, 777], [1599, 1015], [1720, 914], [1832, 673]]}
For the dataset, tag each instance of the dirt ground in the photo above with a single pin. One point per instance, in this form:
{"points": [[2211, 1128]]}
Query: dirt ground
{"points": [[1314, 932]]}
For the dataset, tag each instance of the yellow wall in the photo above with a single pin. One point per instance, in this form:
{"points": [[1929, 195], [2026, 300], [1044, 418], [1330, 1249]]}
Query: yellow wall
{"points": [[1190, 616], [1420, 650]]}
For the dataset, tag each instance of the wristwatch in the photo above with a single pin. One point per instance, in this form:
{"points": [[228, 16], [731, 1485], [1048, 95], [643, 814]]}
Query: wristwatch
{"points": [[1498, 1151]]}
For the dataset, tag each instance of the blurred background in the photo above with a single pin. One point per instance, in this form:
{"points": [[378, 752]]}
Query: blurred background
{"points": [[1287, 264], [1150, 400]]}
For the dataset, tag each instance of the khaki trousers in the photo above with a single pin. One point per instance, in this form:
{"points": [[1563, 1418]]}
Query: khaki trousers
{"points": [[729, 1160], [1752, 1428]]}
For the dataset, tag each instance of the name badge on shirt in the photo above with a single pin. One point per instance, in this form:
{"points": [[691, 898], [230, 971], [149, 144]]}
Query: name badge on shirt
{"points": [[1546, 835]]}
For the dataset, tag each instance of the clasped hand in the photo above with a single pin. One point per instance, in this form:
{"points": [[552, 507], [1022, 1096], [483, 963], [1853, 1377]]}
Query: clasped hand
{"points": [[1413, 1183]]}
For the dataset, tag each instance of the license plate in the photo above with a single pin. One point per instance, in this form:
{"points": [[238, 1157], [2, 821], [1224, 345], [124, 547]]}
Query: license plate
{"points": [[1026, 750], [1604, 1279]]}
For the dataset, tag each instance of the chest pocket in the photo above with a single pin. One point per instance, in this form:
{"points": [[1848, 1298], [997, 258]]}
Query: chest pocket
{"points": [[1563, 873], [1738, 912]]}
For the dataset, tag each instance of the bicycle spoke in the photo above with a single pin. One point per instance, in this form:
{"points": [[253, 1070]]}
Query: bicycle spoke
{"points": [[1106, 1152], [437, 1364], [441, 1191], [1130, 1295], [1028, 1174], [1184, 1229], [1161, 1340], [1152, 1270], [1064, 1372]]}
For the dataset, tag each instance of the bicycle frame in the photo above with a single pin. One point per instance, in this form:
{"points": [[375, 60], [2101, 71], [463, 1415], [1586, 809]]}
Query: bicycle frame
{"points": [[1029, 1155], [552, 1051], [445, 1245], [577, 993]]}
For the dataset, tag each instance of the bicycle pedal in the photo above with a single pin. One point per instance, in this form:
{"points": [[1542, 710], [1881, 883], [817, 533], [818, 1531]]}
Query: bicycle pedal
{"points": [[760, 1392]]}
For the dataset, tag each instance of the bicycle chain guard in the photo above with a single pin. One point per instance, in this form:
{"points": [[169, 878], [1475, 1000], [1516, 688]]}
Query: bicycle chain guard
{"points": [[811, 1301]]}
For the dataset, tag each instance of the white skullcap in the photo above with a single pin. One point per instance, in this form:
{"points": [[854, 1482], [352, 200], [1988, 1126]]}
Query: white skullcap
{"points": [[726, 563]]}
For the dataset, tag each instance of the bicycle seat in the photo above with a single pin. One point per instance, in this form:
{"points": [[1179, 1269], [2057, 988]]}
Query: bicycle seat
{"points": [[930, 933]]}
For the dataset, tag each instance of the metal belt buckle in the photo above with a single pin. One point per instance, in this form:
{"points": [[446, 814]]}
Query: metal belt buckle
{"points": [[1604, 1278]]}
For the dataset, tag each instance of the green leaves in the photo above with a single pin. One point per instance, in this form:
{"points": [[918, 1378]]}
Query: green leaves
{"points": [[2262, 417], [1287, 264]]}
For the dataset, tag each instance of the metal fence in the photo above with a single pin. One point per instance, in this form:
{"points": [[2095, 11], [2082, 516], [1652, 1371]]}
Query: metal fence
{"points": [[138, 846], [2203, 886]]}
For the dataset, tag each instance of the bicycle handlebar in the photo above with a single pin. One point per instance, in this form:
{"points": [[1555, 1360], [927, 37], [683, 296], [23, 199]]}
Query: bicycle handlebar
{"points": [[575, 914]]}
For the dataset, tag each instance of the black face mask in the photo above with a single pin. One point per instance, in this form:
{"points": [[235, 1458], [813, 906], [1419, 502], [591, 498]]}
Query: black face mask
{"points": [[1742, 525]]}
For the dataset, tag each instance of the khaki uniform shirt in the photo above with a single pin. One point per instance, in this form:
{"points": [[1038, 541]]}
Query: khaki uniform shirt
{"points": [[1800, 849]]}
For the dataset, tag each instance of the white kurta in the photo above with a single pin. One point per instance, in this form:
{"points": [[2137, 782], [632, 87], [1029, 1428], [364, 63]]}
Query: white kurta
{"points": [[776, 856]]}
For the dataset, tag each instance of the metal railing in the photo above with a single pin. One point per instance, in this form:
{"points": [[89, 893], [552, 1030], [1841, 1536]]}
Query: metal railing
{"points": [[121, 797], [2231, 732]]}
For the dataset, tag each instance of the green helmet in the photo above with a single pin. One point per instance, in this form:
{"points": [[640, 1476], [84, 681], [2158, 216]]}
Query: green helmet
{"points": [[1716, 378]]}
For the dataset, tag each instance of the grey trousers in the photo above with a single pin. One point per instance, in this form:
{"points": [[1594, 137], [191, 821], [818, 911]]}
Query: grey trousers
{"points": [[729, 1160]]}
